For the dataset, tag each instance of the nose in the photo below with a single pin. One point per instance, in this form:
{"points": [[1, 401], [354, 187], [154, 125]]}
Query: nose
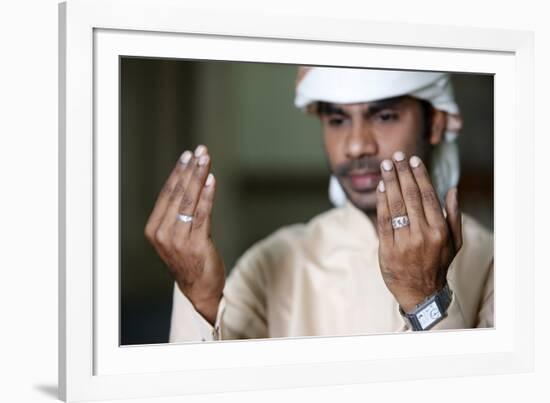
{"points": [[361, 141]]}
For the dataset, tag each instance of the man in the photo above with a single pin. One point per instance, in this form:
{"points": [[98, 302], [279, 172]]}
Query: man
{"points": [[388, 258]]}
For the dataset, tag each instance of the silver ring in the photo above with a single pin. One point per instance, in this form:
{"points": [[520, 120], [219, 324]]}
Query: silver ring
{"points": [[400, 222], [185, 218]]}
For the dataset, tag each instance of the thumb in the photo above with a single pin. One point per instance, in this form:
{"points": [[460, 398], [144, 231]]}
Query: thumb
{"points": [[454, 217]]}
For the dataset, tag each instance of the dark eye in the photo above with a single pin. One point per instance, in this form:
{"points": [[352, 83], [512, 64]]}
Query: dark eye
{"points": [[335, 121], [387, 116]]}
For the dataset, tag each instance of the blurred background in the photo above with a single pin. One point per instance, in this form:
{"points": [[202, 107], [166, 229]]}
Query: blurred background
{"points": [[267, 156]]}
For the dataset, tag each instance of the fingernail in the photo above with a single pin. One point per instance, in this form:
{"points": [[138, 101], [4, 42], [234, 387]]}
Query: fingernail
{"points": [[185, 157], [209, 179], [381, 186], [414, 161], [387, 165], [399, 156], [203, 160], [199, 150]]}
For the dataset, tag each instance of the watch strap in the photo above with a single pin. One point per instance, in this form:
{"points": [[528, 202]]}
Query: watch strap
{"points": [[430, 311]]}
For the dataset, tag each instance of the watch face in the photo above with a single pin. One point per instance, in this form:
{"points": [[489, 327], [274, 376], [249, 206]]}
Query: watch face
{"points": [[428, 315]]}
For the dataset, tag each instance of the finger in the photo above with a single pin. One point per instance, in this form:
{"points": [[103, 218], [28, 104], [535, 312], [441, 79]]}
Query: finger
{"points": [[192, 191], [178, 191], [163, 198], [396, 203], [409, 191], [454, 217], [203, 213], [430, 201], [383, 216]]}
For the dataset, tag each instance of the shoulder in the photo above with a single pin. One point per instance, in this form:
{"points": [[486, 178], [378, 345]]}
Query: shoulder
{"points": [[471, 273], [475, 235], [475, 258]]}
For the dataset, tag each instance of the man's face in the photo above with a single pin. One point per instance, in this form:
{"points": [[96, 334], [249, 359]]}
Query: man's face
{"points": [[358, 137]]}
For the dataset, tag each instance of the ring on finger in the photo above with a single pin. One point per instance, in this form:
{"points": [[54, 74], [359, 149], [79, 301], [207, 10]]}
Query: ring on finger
{"points": [[400, 222], [185, 218]]}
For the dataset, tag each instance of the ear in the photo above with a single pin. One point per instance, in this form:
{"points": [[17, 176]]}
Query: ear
{"points": [[439, 124]]}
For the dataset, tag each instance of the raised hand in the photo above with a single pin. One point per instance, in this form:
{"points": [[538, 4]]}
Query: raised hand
{"points": [[417, 242], [179, 230]]}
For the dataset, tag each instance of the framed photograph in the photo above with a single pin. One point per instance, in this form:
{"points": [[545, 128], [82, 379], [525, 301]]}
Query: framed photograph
{"points": [[143, 81]]}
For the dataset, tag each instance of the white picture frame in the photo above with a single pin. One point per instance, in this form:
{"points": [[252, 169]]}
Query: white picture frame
{"points": [[94, 33]]}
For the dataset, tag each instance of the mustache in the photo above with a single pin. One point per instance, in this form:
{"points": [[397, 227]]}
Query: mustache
{"points": [[360, 164]]}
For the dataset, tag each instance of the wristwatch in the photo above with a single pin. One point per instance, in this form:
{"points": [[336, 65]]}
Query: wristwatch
{"points": [[430, 311]]}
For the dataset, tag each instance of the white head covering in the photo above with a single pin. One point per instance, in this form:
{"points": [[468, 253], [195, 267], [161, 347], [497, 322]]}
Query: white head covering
{"points": [[347, 85]]}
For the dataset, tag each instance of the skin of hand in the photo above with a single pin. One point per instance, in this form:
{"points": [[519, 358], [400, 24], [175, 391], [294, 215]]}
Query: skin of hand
{"points": [[187, 248], [414, 259]]}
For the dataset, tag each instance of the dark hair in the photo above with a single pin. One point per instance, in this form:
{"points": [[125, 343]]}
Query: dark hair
{"points": [[427, 115]]}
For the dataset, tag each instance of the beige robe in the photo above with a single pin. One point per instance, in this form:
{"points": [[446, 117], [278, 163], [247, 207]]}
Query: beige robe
{"points": [[323, 278]]}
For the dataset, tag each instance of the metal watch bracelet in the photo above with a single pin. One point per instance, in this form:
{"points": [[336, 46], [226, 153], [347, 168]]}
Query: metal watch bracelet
{"points": [[430, 311]]}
